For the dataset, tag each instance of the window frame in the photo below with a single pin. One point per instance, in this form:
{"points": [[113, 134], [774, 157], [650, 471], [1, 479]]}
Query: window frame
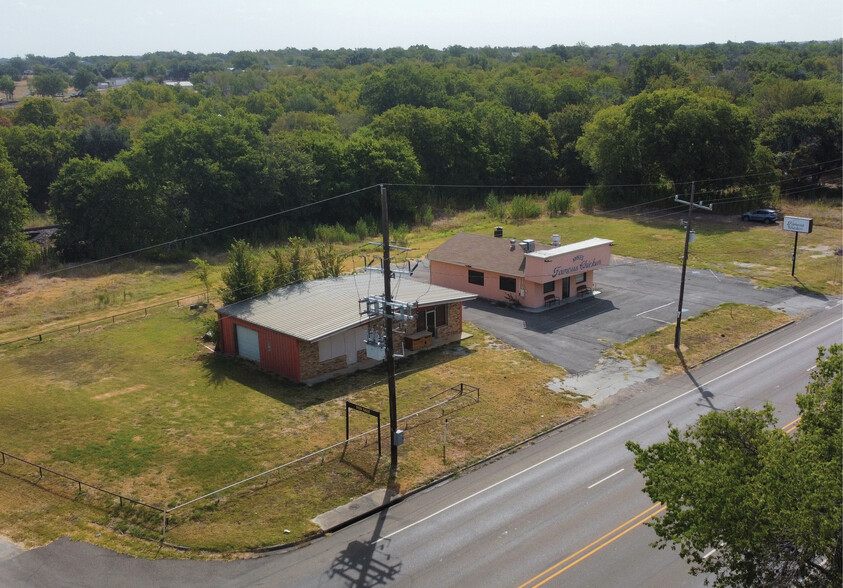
{"points": [[476, 277], [509, 280]]}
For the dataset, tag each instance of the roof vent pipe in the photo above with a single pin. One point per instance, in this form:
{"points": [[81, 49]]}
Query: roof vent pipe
{"points": [[555, 240], [512, 244]]}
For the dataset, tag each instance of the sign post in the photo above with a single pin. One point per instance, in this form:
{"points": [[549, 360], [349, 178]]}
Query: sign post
{"points": [[797, 225]]}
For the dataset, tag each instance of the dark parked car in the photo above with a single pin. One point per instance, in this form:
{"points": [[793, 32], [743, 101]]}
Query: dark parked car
{"points": [[765, 215]]}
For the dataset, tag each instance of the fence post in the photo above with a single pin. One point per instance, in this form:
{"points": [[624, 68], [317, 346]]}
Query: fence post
{"points": [[164, 527]]}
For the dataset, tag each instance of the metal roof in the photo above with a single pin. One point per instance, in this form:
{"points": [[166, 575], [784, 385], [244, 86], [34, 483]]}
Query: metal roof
{"points": [[318, 309], [571, 248]]}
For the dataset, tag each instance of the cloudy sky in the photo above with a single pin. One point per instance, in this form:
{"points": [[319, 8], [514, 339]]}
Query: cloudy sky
{"points": [[119, 27]]}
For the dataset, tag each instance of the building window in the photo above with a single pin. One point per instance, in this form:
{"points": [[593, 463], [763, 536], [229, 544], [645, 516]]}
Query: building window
{"points": [[475, 277], [580, 278], [507, 284], [442, 315], [549, 287]]}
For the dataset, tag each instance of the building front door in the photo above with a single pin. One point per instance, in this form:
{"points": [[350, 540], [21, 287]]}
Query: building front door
{"points": [[430, 322], [566, 287]]}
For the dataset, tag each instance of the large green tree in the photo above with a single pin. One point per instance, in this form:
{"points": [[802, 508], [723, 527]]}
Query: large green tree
{"points": [[7, 86], [38, 154], [672, 136], [769, 503], [102, 211], [50, 84], [13, 214]]}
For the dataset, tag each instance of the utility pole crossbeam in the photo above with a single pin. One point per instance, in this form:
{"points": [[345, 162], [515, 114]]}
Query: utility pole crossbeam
{"points": [[691, 206]]}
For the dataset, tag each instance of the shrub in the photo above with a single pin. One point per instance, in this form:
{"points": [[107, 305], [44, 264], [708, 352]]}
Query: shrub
{"points": [[589, 200], [559, 203], [495, 209], [335, 233], [427, 217], [522, 208]]}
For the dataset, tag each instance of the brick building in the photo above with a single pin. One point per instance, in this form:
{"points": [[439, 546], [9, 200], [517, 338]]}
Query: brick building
{"points": [[312, 331]]}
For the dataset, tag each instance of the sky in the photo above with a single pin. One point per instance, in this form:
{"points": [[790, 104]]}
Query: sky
{"points": [[54, 28]]}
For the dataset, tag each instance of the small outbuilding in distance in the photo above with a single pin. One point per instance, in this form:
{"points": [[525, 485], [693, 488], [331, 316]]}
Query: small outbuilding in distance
{"points": [[531, 274], [315, 330]]}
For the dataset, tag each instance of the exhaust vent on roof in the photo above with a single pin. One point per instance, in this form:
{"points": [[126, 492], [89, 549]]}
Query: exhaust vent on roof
{"points": [[498, 232], [555, 240]]}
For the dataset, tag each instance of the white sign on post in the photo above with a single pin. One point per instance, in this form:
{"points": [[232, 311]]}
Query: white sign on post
{"points": [[798, 224]]}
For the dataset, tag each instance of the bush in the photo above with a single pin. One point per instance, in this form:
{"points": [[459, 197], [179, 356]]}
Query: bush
{"points": [[365, 228], [398, 235], [559, 203], [589, 200], [335, 233], [522, 208], [427, 217], [495, 209]]}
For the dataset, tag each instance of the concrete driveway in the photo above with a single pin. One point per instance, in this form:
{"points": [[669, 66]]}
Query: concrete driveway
{"points": [[635, 297]]}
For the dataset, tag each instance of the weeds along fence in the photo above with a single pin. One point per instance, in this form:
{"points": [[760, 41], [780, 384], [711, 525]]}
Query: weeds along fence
{"points": [[461, 393], [112, 319]]}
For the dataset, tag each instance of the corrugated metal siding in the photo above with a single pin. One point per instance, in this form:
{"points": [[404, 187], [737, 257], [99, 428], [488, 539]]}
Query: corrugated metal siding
{"points": [[280, 354]]}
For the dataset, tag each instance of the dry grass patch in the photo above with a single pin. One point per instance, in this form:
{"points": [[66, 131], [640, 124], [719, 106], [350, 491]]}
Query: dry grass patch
{"points": [[704, 336], [144, 410]]}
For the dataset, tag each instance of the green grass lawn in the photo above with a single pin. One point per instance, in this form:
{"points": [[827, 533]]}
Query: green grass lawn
{"points": [[144, 409], [704, 336]]}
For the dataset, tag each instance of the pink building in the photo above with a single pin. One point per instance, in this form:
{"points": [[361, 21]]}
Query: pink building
{"points": [[532, 274]]}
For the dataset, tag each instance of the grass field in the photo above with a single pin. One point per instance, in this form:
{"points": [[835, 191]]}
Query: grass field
{"points": [[142, 408], [705, 335]]}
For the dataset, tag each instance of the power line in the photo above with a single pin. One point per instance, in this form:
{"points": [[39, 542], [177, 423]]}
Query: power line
{"points": [[209, 232]]}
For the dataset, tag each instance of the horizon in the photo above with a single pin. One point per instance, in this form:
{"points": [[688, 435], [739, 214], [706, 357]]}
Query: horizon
{"points": [[54, 28]]}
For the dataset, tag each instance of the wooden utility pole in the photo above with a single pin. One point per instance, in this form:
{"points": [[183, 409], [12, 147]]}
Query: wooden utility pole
{"points": [[691, 206], [389, 351]]}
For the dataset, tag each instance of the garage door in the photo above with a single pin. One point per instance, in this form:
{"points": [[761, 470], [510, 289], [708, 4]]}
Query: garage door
{"points": [[247, 343]]}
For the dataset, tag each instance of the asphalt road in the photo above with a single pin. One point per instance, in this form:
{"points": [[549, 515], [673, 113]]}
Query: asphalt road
{"points": [[635, 297], [569, 504]]}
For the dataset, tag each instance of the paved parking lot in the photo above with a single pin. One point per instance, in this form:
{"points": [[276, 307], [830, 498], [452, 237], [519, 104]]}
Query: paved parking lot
{"points": [[635, 297]]}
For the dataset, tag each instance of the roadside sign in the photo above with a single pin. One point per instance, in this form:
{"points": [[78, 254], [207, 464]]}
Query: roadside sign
{"points": [[798, 224]]}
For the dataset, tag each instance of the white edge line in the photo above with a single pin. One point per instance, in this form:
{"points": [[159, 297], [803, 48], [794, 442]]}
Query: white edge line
{"points": [[602, 433], [709, 554], [604, 479], [656, 308]]}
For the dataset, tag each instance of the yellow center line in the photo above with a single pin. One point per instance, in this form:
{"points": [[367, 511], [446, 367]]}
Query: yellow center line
{"points": [[653, 511]]}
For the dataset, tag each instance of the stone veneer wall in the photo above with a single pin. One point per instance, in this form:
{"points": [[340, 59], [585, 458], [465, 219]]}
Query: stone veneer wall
{"points": [[311, 367]]}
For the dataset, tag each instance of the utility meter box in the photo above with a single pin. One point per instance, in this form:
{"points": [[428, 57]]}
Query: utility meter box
{"points": [[399, 437]]}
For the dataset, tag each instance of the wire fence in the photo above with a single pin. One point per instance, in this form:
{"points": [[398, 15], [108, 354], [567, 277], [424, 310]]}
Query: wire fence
{"points": [[77, 328], [460, 392]]}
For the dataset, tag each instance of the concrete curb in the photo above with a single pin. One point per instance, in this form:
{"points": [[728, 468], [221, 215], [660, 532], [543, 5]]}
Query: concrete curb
{"points": [[756, 338]]}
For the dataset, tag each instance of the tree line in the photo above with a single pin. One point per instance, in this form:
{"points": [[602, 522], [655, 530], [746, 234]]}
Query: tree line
{"points": [[266, 131]]}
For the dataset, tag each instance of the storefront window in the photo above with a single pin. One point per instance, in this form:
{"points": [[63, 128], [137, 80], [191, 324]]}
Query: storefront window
{"points": [[549, 287], [475, 277], [580, 278]]}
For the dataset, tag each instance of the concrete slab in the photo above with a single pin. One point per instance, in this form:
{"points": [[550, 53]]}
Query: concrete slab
{"points": [[8, 550], [355, 508]]}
